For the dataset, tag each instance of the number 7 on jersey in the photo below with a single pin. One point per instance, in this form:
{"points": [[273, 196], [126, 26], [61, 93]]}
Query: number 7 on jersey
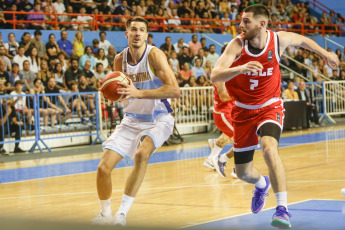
{"points": [[254, 83]]}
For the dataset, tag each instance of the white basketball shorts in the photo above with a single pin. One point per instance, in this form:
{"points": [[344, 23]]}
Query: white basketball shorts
{"points": [[127, 136]]}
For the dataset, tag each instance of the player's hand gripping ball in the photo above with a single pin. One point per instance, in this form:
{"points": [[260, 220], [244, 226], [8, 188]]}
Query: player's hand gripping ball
{"points": [[109, 85]]}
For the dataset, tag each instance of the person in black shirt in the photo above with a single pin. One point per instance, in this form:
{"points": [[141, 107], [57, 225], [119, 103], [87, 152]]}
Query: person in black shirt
{"points": [[52, 49], [9, 123], [72, 72], [90, 77], [28, 43], [184, 57], [167, 47], [305, 95], [84, 87], [57, 100]]}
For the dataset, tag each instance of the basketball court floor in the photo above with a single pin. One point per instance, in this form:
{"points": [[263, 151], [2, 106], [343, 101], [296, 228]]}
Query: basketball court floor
{"points": [[178, 192]]}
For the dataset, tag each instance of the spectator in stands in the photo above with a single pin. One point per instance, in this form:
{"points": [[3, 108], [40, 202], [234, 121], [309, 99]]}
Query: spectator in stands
{"points": [[200, 10], [186, 22], [48, 17], [75, 102], [104, 9], [179, 45], [174, 64], [296, 66], [167, 47], [83, 19], [3, 23], [68, 18], [78, 44], [184, 57], [99, 73], [65, 45], [181, 10], [203, 45], [201, 56], [52, 49], [25, 6], [4, 76], [335, 75], [208, 69], [111, 56], [20, 57], [101, 58], [39, 25], [191, 82], [76, 5], [289, 93], [62, 60], [175, 21], [59, 77], [305, 95], [27, 42], [194, 45], [212, 56], [44, 74], [120, 10], [141, 9], [4, 58], [87, 57], [11, 46], [341, 77], [28, 77], [197, 69], [316, 71], [59, 8], [88, 99], [58, 101], [149, 40], [95, 46], [8, 119], [185, 74], [90, 77], [103, 43], [15, 17], [20, 101], [72, 72], [34, 60], [40, 45]]}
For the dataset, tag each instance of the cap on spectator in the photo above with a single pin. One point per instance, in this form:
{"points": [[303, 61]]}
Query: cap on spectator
{"points": [[18, 82]]}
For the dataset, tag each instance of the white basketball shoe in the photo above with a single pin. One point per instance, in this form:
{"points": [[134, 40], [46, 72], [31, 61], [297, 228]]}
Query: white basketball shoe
{"points": [[120, 219], [103, 220]]}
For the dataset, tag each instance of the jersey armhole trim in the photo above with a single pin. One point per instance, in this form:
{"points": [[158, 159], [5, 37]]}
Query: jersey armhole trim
{"points": [[148, 57], [241, 48]]}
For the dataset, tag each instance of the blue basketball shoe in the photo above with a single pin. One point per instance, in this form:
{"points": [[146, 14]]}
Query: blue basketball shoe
{"points": [[259, 198], [281, 218]]}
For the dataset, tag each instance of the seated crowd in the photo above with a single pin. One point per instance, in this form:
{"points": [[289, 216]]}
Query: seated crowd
{"points": [[176, 13]]}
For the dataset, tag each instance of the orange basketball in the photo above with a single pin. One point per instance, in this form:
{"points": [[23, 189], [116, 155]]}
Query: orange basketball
{"points": [[110, 85]]}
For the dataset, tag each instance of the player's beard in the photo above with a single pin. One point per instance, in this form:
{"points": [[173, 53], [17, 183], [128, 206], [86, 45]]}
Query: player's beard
{"points": [[251, 34]]}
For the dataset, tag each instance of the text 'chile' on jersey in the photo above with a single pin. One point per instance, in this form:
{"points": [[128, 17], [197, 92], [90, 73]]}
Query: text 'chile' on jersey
{"points": [[256, 89]]}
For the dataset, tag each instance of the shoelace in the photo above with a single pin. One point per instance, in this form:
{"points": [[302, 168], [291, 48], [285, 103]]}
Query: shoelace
{"points": [[282, 212], [258, 194]]}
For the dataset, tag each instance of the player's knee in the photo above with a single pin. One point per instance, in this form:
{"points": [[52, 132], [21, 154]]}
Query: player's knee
{"points": [[141, 157], [103, 169], [270, 153]]}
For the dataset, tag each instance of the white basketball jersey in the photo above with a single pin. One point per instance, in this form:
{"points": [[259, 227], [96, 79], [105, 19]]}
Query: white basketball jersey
{"points": [[143, 77]]}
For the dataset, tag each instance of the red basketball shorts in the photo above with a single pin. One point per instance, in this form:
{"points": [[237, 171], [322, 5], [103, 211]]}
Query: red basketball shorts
{"points": [[247, 122], [224, 123]]}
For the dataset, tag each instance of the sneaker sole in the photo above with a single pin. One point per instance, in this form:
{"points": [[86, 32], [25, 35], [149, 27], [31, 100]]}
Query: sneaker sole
{"points": [[281, 224]]}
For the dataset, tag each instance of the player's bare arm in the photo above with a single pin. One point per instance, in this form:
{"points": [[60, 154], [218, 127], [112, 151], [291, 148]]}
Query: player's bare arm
{"points": [[222, 92], [222, 72], [170, 88], [292, 39]]}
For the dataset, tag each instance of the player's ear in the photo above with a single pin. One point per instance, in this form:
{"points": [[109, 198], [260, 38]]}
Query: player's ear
{"points": [[126, 34], [263, 23], [146, 36]]}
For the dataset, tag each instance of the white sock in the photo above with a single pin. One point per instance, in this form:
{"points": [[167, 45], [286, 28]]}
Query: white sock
{"points": [[281, 199], [126, 203], [261, 183], [215, 152], [224, 158], [105, 207]]}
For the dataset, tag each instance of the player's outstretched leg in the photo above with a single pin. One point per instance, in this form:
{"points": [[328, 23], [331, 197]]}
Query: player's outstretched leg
{"points": [[104, 186], [135, 179]]}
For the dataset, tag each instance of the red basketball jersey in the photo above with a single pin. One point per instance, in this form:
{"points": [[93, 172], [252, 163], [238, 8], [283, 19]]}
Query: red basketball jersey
{"points": [[219, 106], [256, 89]]}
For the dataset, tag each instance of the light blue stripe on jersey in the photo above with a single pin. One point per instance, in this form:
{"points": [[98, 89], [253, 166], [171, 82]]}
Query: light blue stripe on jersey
{"points": [[158, 83], [147, 117], [145, 85]]}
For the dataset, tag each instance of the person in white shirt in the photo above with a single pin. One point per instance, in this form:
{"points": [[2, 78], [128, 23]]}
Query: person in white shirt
{"points": [[212, 56], [103, 43], [3, 57], [20, 57], [20, 101], [99, 73], [84, 19], [59, 8]]}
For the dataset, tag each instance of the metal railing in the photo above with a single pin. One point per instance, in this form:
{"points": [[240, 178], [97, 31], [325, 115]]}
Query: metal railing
{"points": [[334, 98]]}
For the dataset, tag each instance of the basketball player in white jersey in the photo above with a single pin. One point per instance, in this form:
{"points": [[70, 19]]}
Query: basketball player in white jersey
{"points": [[147, 123]]}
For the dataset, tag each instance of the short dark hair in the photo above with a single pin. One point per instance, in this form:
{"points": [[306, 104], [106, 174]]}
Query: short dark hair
{"points": [[258, 10], [37, 32], [223, 48], [98, 64], [95, 41], [18, 82], [102, 32], [137, 19], [15, 63], [150, 36], [202, 39], [88, 47]]}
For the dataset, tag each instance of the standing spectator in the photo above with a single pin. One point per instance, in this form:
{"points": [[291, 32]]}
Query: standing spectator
{"points": [[103, 43], [4, 58], [87, 57], [59, 76], [44, 74], [201, 56], [197, 69], [59, 8], [20, 57], [11, 46], [167, 47], [65, 45], [194, 45], [72, 72], [40, 45], [4, 76], [39, 25], [149, 40], [27, 42], [111, 56], [90, 77], [184, 57], [305, 95], [99, 73], [212, 56], [78, 44], [185, 74], [100, 58], [28, 77], [178, 45], [52, 49]]}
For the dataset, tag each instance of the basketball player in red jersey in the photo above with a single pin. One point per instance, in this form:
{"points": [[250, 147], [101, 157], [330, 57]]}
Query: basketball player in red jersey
{"points": [[250, 68]]}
